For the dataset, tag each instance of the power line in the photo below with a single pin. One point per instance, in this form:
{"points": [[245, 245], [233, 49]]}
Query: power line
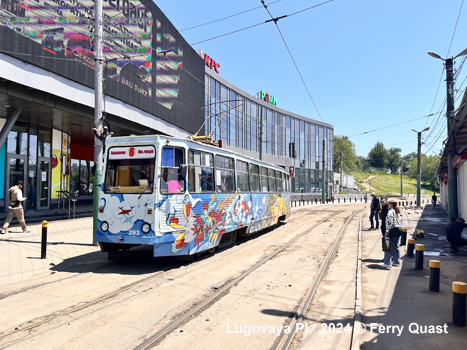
{"points": [[223, 18], [258, 24], [276, 19], [390, 126], [455, 27]]}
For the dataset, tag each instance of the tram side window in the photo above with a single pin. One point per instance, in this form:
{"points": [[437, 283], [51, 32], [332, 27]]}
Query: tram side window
{"points": [[242, 176], [272, 180], [279, 181], [264, 179], [200, 172], [172, 180], [284, 182], [254, 177], [225, 174]]}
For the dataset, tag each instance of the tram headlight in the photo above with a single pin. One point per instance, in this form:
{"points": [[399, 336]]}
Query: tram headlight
{"points": [[146, 228], [105, 226]]}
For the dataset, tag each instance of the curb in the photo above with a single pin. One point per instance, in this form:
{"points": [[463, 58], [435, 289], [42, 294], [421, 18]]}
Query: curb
{"points": [[358, 326]]}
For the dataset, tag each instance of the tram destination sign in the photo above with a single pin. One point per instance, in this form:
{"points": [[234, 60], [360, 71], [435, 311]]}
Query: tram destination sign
{"points": [[132, 152]]}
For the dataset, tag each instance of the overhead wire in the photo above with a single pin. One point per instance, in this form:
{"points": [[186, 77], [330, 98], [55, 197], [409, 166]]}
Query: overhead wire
{"points": [[275, 20], [227, 17]]}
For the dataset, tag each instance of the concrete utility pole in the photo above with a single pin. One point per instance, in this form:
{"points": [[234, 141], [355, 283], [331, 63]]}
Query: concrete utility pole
{"points": [[402, 172], [323, 195], [419, 165], [340, 179], [98, 104], [452, 176]]}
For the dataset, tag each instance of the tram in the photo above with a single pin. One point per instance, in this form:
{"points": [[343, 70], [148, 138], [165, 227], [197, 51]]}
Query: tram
{"points": [[183, 197]]}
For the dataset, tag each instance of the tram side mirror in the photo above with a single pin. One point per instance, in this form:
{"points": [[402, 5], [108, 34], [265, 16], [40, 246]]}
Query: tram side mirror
{"points": [[183, 171]]}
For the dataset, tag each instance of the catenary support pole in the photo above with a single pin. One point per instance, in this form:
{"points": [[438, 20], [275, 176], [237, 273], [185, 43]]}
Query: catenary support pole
{"points": [[98, 106]]}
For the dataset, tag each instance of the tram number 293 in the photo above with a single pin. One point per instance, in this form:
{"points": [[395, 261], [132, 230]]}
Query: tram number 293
{"points": [[134, 233]]}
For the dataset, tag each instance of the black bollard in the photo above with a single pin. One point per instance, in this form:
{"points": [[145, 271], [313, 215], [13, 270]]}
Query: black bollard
{"points": [[399, 203], [419, 248], [338, 200], [459, 292], [44, 240], [344, 199], [410, 247], [434, 275], [404, 236]]}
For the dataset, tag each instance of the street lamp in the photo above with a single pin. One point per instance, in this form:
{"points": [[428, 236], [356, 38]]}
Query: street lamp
{"points": [[419, 168], [452, 180]]}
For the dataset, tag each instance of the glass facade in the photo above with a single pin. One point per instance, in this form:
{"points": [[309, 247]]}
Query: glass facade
{"points": [[245, 123]]}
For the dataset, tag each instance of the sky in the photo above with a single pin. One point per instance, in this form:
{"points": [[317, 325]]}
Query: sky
{"points": [[365, 62]]}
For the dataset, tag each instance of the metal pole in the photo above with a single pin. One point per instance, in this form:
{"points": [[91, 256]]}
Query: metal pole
{"points": [[323, 195], [260, 136], [419, 168], [98, 105], [10, 122], [340, 180], [402, 185], [452, 178]]}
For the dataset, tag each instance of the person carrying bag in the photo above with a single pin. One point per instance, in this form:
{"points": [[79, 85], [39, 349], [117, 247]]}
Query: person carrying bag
{"points": [[393, 232]]}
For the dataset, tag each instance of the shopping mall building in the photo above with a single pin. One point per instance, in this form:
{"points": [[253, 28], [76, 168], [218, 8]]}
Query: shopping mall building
{"points": [[154, 82]]}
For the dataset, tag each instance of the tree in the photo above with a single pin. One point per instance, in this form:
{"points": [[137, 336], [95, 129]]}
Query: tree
{"points": [[393, 160], [406, 160], [377, 156], [429, 165], [342, 145], [363, 164]]}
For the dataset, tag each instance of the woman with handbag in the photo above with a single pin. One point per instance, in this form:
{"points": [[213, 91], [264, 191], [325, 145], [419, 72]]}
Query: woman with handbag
{"points": [[393, 232]]}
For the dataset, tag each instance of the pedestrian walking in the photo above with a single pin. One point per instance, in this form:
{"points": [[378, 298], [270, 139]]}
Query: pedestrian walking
{"points": [[434, 199], [374, 210], [365, 197], [15, 207], [393, 231]]}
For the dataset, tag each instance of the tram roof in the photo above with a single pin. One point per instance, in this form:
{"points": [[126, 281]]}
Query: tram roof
{"points": [[116, 140]]}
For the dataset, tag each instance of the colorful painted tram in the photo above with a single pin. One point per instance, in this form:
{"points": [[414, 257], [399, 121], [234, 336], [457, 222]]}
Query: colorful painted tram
{"points": [[183, 197]]}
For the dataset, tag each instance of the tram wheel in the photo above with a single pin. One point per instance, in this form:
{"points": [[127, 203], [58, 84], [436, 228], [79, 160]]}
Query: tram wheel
{"points": [[212, 250]]}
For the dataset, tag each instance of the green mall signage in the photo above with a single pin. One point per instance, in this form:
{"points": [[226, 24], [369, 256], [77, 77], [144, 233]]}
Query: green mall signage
{"points": [[267, 98]]}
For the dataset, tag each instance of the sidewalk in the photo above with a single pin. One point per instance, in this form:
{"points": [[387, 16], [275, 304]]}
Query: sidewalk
{"points": [[69, 251], [401, 297]]}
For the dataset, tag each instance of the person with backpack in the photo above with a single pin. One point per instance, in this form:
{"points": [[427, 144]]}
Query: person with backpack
{"points": [[434, 199], [393, 231], [15, 207]]}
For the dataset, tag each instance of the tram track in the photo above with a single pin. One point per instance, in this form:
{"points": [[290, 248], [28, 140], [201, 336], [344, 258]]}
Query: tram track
{"points": [[255, 239], [152, 340], [287, 339]]}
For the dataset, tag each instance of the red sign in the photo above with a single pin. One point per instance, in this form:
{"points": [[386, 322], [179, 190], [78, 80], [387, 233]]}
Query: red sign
{"points": [[208, 61], [292, 171]]}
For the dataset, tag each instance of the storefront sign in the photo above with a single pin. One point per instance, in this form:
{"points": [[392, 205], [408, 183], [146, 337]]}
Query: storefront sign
{"points": [[132, 152], [292, 172], [208, 61], [267, 98]]}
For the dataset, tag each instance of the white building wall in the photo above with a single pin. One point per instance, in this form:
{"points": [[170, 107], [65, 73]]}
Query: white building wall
{"points": [[462, 190]]}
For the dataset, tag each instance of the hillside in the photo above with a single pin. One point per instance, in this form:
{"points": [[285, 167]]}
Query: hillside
{"points": [[382, 183]]}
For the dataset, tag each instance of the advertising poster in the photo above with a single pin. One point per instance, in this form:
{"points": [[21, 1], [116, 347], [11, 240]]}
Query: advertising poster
{"points": [[146, 60], [60, 163]]}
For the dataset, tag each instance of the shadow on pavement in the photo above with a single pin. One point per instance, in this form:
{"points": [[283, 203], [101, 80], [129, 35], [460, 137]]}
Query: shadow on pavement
{"points": [[413, 306]]}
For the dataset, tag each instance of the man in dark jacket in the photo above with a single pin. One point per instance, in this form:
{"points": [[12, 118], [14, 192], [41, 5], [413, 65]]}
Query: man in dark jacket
{"points": [[383, 214], [374, 207], [453, 234], [434, 199]]}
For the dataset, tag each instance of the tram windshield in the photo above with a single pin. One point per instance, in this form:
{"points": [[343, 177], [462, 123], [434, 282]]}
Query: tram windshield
{"points": [[130, 170]]}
